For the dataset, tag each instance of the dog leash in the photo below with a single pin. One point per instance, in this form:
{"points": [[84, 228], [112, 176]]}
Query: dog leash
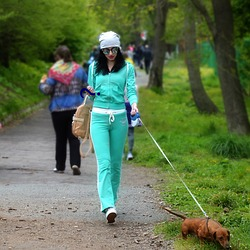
{"points": [[174, 169]]}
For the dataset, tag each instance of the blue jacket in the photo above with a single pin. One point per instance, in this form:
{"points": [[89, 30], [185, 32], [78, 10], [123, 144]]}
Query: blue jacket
{"points": [[65, 97]]}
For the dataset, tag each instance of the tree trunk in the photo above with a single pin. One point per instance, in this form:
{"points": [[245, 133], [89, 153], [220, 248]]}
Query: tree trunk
{"points": [[235, 109], [201, 99], [223, 38], [159, 47]]}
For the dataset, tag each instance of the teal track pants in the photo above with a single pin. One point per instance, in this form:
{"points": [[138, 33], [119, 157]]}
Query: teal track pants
{"points": [[108, 139]]}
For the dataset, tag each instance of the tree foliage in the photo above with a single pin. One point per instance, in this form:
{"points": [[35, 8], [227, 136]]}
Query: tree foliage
{"points": [[28, 33], [241, 18], [242, 35], [126, 17]]}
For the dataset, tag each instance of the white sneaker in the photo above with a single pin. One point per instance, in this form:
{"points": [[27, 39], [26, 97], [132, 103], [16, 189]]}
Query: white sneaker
{"points": [[111, 214], [58, 171], [130, 156]]}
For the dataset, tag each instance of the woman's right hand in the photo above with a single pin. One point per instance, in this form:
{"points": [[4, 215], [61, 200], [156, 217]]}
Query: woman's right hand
{"points": [[90, 89]]}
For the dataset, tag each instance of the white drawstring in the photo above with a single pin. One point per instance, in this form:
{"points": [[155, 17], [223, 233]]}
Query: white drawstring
{"points": [[111, 117]]}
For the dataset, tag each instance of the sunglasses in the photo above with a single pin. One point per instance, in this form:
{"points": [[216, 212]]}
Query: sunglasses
{"points": [[106, 51]]}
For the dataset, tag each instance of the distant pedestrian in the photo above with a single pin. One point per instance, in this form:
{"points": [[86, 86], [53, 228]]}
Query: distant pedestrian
{"points": [[128, 109], [111, 76], [147, 54], [65, 80], [138, 55], [93, 55], [130, 133]]}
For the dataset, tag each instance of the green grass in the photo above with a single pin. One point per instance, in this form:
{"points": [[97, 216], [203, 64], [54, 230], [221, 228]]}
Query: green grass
{"points": [[214, 164]]}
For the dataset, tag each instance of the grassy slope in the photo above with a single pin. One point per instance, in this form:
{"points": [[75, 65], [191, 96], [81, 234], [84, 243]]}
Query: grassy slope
{"points": [[19, 88], [220, 184]]}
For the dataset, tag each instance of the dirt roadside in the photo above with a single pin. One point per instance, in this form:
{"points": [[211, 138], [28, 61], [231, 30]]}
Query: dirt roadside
{"points": [[43, 210]]}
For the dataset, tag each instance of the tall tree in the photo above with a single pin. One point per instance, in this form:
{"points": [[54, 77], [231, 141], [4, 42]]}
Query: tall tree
{"points": [[223, 38], [201, 99], [159, 44]]}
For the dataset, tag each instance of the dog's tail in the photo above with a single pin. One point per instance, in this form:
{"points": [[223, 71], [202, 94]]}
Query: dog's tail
{"points": [[175, 213]]}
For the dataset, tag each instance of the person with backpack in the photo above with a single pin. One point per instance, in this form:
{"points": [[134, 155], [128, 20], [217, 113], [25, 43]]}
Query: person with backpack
{"points": [[109, 125], [64, 82]]}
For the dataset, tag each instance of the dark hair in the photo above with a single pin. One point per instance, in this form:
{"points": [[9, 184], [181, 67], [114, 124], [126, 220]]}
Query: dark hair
{"points": [[64, 53], [102, 67]]}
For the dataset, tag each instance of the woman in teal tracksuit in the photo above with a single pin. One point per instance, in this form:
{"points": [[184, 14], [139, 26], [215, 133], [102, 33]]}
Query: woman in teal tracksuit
{"points": [[108, 77]]}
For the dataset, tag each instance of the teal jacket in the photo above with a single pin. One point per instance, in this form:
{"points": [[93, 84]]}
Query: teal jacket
{"points": [[111, 87]]}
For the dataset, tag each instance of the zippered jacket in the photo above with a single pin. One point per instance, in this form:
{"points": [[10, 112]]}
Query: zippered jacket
{"points": [[65, 96], [111, 87]]}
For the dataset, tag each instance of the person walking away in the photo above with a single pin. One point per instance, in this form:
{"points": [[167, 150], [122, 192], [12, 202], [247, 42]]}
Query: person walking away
{"points": [[139, 56], [109, 76], [65, 80], [147, 54]]}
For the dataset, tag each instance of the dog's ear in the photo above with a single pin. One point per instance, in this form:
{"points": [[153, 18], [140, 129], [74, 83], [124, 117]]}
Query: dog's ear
{"points": [[214, 235], [228, 237]]}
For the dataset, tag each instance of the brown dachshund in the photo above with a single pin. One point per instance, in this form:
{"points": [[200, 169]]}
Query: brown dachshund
{"points": [[204, 229]]}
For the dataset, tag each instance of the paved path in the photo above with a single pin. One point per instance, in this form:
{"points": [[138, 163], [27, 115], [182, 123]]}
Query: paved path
{"points": [[27, 160], [30, 190], [141, 78], [26, 163]]}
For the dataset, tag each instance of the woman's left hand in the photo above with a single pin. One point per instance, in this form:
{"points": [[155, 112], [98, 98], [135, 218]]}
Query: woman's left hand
{"points": [[134, 109]]}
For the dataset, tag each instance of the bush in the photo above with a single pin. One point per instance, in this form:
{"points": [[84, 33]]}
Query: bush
{"points": [[231, 146], [224, 200]]}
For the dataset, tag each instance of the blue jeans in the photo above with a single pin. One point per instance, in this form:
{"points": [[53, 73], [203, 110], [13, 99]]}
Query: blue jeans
{"points": [[108, 139]]}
